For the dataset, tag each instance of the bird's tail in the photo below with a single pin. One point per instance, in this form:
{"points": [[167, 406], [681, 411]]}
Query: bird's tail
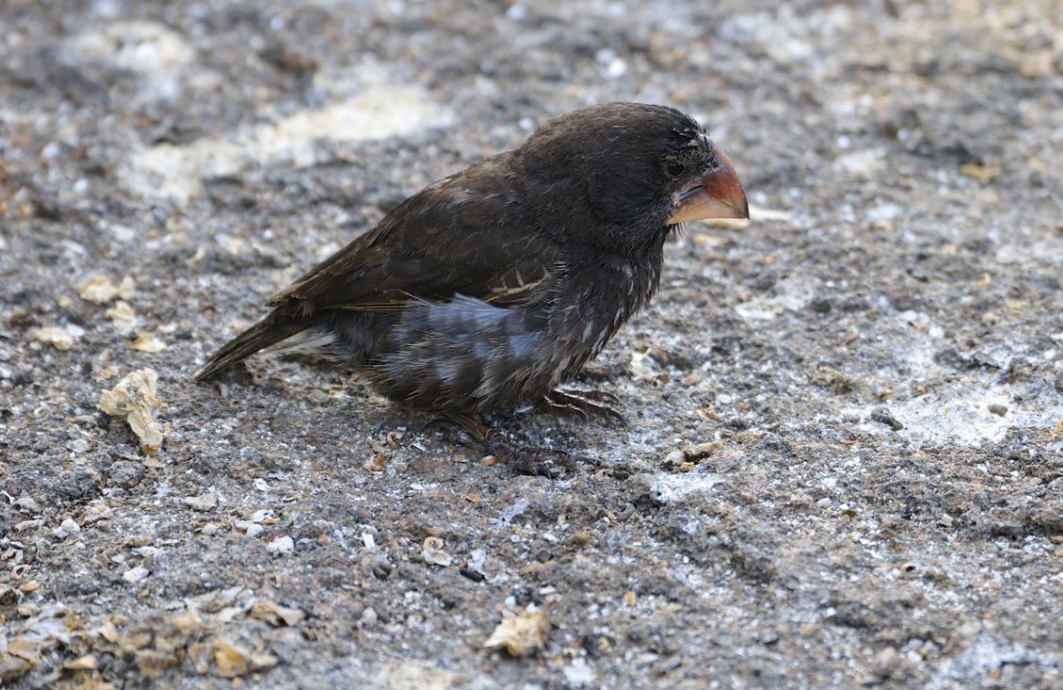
{"points": [[269, 331]]}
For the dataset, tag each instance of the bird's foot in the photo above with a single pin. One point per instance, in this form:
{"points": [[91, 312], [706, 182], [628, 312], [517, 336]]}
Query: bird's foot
{"points": [[583, 404], [534, 461], [526, 460]]}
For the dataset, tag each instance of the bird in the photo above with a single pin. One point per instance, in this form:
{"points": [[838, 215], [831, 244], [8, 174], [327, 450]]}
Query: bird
{"points": [[488, 289]]}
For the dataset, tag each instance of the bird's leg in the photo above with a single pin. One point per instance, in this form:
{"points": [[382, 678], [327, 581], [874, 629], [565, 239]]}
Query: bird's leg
{"points": [[583, 404], [480, 432]]}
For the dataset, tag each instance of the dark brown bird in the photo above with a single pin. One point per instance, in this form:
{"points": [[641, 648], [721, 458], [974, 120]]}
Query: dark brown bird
{"points": [[487, 289]]}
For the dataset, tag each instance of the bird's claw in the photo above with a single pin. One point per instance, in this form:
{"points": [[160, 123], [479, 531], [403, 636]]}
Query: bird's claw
{"points": [[583, 404]]}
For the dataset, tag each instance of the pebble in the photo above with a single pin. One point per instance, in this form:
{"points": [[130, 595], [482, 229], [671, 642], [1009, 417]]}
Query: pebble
{"points": [[202, 502], [135, 574], [28, 504], [368, 617], [126, 473], [281, 546]]}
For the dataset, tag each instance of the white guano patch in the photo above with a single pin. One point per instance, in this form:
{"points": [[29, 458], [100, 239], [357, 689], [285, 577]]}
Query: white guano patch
{"points": [[176, 172]]}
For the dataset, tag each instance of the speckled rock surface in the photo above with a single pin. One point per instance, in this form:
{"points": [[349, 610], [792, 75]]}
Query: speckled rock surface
{"points": [[844, 463]]}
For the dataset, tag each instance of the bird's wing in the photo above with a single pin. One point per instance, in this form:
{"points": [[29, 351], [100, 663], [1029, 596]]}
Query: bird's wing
{"points": [[453, 237]]}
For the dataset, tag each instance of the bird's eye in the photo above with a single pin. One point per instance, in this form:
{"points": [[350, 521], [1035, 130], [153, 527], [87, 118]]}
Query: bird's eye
{"points": [[675, 168]]}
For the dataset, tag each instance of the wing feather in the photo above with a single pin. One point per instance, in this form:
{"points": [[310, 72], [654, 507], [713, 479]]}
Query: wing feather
{"points": [[458, 236]]}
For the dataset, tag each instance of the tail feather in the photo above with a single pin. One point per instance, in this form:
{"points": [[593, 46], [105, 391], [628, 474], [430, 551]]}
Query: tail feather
{"points": [[269, 331]]}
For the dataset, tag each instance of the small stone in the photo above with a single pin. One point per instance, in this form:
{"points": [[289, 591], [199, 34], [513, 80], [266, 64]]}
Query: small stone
{"points": [[579, 674], [28, 504], [202, 502], [368, 618], [886, 662], [861, 165], [998, 410], [260, 662], [674, 458], [136, 574], [883, 416], [254, 529], [126, 473], [281, 546]]}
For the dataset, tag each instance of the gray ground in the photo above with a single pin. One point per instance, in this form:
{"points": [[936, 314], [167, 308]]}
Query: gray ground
{"points": [[844, 463]]}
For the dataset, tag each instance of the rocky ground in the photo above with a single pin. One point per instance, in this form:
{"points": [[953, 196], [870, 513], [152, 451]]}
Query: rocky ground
{"points": [[844, 462]]}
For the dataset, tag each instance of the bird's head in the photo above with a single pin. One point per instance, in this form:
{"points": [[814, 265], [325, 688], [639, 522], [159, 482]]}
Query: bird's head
{"points": [[642, 168]]}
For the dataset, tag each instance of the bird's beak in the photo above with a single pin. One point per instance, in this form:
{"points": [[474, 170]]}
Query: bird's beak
{"points": [[719, 194]]}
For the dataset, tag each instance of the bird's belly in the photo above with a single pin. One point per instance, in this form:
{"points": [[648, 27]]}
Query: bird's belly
{"points": [[470, 356]]}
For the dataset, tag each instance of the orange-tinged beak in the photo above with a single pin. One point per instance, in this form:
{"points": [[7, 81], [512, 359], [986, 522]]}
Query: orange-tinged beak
{"points": [[719, 195]]}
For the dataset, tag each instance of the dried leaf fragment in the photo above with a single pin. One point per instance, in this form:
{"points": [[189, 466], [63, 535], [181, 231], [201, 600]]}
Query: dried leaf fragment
{"points": [[377, 463], [12, 667], [983, 173], [699, 451], [135, 400], [230, 660], [100, 289], [277, 615], [24, 649], [123, 316], [199, 654], [521, 635], [57, 336], [148, 342], [82, 663]]}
